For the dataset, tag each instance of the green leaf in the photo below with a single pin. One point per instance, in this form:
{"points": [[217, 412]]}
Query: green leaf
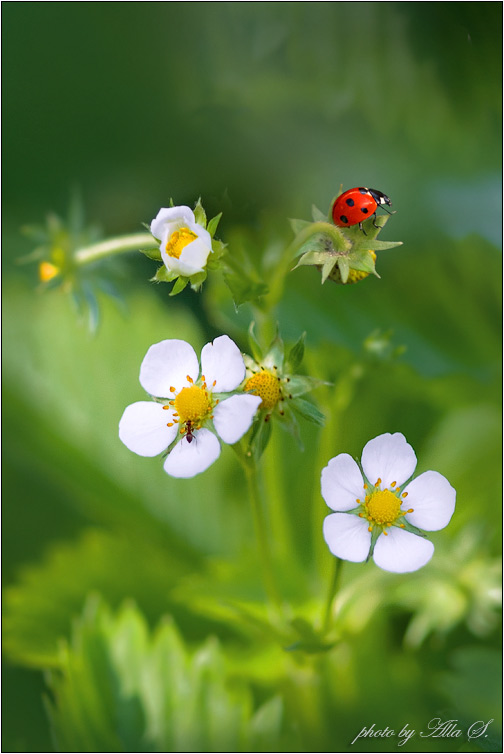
{"points": [[39, 608], [213, 224], [266, 725], [123, 688], [244, 289]]}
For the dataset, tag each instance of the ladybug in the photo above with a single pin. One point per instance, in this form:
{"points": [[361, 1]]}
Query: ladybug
{"points": [[357, 204]]}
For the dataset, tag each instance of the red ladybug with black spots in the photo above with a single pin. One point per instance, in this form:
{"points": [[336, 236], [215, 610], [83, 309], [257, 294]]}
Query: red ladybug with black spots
{"points": [[357, 204]]}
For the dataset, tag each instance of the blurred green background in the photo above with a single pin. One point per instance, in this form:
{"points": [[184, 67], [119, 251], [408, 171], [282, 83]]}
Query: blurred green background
{"points": [[262, 109]]}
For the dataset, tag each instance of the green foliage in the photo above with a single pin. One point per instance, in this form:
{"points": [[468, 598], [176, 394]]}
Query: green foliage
{"points": [[120, 688]]}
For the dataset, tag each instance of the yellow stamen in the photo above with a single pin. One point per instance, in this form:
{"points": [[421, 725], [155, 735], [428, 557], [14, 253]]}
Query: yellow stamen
{"points": [[178, 241], [265, 385], [384, 508], [192, 404]]}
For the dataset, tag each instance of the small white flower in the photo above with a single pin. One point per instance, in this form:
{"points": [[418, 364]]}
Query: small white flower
{"points": [[186, 403], [184, 244], [372, 514]]}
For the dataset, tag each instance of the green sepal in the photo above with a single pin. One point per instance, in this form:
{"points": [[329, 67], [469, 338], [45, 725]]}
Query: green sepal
{"points": [[308, 411], [318, 216], [298, 225], [327, 268], [299, 384], [295, 356], [255, 347], [179, 286], [377, 531], [200, 214], [212, 225], [146, 226], [152, 254], [291, 424], [344, 268], [218, 251], [362, 260], [163, 275], [197, 280], [413, 529], [259, 436], [382, 245], [312, 258], [276, 351]]}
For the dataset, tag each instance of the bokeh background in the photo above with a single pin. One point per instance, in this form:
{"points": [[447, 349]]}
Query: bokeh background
{"points": [[263, 109]]}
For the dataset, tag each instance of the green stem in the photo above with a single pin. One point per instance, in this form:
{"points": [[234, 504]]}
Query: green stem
{"points": [[261, 531], [118, 245], [331, 594]]}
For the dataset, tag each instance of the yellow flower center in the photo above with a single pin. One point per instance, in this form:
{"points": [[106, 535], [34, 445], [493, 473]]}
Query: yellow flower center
{"points": [[266, 386], [48, 271], [178, 240], [383, 508], [192, 404]]}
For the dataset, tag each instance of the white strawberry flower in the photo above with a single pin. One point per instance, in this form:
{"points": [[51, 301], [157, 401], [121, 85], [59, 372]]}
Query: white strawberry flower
{"points": [[188, 405], [375, 515], [184, 244]]}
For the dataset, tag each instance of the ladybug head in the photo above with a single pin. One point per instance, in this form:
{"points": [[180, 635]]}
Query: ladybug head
{"points": [[380, 197]]}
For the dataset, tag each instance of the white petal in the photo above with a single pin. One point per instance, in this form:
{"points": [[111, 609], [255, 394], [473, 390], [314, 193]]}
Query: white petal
{"points": [[342, 483], [433, 501], [190, 458], [401, 551], [389, 458], [193, 258], [179, 215], [233, 416], [222, 362], [143, 428], [166, 365], [347, 536]]}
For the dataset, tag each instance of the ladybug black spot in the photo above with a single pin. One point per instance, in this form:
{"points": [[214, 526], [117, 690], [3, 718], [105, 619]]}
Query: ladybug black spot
{"points": [[343, 218], [364, 210], [350, 202]]}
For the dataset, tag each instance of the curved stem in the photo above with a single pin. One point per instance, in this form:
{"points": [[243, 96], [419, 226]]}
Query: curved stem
{"points": [[261, 529], [331, 594], [113, 246]]}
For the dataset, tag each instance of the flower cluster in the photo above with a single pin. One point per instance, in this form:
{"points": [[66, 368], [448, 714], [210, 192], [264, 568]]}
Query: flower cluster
{"points": [[190, 408], [376, 515]]}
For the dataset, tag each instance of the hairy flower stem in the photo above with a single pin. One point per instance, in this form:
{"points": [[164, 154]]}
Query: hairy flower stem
{"points": [[331, 595], [113, 246], [261, 531]]}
